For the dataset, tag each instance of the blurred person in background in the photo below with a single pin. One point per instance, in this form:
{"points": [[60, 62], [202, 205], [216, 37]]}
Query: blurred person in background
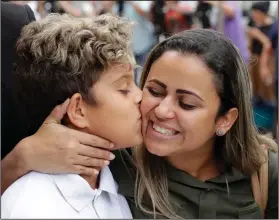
{"points": [[227, 18], [102, 7], [143, 38], [188, 8], [203, 14], [270, 46], [262, 71], [273, 35], [37, 8], [158, 19], [75, 8], [52, 6], [178, 17], [261, 22], [78, 8]]}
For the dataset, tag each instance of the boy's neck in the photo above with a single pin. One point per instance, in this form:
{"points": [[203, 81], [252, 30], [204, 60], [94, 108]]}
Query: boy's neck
{"points": [[92, 180]]}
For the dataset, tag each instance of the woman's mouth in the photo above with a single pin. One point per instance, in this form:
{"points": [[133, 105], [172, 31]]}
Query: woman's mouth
{"points": [[164, 131], [161, 131]]}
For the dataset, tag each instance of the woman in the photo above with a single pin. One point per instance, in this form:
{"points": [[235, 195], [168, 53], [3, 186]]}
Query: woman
{"points": [[200, 141], [199, 166]]}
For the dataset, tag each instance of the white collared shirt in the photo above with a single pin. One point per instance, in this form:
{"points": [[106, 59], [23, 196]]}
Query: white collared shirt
{"points": [[39, 195]]}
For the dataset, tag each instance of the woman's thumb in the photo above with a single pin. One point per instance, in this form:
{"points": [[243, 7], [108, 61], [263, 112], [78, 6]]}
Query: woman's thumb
{"points": [[57, 113]]}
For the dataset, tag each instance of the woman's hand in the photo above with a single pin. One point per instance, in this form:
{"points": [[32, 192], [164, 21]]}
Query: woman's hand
{"points": [[55, 148]]}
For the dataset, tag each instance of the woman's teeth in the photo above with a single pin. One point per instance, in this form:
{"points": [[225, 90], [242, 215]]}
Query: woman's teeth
{"points": [[164, 130]]}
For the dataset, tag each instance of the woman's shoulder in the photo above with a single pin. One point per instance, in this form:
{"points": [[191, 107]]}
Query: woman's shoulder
{"points": [[272, 204], [273, 158], [273, 166]]}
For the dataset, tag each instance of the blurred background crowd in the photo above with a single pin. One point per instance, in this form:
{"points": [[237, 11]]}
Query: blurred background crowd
{"points": [[251, 25]]}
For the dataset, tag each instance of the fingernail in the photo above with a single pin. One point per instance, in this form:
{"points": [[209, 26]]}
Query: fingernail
{"points": [[106, 162], [96, 172], [66, 101], [111, 145], [111, 156]]}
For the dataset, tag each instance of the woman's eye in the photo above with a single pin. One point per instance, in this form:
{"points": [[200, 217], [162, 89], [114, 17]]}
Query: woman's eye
{"points": [[186, 106], [153, 92], [124, 91]]}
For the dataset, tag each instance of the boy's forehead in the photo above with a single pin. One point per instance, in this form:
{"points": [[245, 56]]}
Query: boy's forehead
{"points": [[118, 70], [121, 67]]}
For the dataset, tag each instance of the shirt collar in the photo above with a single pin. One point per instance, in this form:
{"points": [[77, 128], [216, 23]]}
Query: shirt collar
{"points": [[77, 191], [230, 175], [107, 182]]}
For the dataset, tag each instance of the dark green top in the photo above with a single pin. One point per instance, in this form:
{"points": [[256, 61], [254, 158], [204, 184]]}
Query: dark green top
{"points": [[197, 199]]}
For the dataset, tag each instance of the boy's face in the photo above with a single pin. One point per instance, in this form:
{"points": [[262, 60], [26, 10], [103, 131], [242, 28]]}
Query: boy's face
{"points": [[116, 117]]}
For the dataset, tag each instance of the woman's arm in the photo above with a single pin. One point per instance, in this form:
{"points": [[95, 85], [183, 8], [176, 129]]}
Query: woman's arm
{"points": [[56, 149], [12, 166]]}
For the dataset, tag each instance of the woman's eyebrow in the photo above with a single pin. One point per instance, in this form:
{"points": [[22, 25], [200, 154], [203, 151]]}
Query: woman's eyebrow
{"points": [[183, 91], [158, 82]]}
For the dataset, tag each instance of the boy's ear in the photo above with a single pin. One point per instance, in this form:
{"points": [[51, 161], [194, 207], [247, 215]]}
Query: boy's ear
{"points": [[76, 111]]}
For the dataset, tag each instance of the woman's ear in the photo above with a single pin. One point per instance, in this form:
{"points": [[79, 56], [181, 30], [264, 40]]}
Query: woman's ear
{"points": [[225, 122], [76, 111]]}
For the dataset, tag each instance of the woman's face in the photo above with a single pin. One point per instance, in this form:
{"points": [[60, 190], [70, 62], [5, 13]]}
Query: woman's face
{"points": [[179, 105], [117, 116]]}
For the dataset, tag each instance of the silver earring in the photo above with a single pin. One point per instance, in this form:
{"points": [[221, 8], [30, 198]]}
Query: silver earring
{"points": [[219, 133]]}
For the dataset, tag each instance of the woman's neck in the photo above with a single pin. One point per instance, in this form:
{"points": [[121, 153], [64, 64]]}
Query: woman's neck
{"points": [[200, 164]]}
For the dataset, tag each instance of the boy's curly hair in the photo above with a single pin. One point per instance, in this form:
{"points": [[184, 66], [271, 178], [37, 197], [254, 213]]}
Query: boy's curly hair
{"points": [[62, 55]]}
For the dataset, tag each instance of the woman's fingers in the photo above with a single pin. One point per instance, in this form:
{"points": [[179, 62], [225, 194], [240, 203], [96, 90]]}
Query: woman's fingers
{"points": [[67, 149], [94, 152], [57, 113], [86, 170], [90, 162], [91, 140]]}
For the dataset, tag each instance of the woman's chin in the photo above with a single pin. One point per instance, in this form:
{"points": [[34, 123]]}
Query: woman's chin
{"points": [[156, 151]]}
